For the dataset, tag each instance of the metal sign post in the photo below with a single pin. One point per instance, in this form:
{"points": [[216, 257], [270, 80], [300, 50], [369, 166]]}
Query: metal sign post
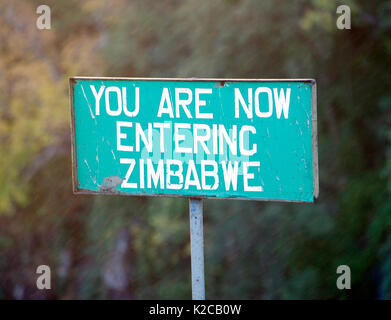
{"points": [[197, 249], [253, 139]]}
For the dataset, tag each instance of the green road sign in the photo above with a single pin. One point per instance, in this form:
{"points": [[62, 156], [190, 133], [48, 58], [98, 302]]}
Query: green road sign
{"points": [[212, 138]]}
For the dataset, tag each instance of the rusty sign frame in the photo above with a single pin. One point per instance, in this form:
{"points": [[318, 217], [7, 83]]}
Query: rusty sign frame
{"points": [[314, 126]]}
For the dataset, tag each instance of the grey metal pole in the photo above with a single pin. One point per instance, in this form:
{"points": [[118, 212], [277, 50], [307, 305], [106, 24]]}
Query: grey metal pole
{"points": [[197, 249]]}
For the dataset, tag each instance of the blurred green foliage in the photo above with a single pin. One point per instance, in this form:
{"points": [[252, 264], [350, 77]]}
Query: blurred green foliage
{"points": [[135, 248]]}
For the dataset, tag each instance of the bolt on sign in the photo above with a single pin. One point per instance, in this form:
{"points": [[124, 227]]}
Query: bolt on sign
{"points": [[200, 138]]}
